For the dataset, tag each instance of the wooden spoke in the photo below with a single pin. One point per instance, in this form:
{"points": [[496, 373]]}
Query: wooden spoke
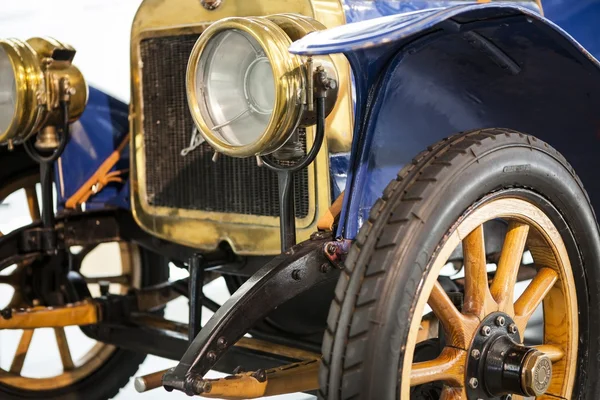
{"points": [[63, 348], [19, 359], [453, 393], [447, 367], [458, 327], [503, 285], [555, 353], [478, 299], [32, 203], [533, 296]]}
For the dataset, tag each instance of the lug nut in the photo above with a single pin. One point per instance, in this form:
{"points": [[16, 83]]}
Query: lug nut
{"points": [[486, 330], [475, 354], [500, 321], [512, 328], [473, 383]]}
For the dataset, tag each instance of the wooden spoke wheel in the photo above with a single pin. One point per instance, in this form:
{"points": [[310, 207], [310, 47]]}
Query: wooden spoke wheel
{"points": [[403, 327], [63, 363]]}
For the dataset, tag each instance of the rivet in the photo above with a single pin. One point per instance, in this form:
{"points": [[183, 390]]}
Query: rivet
{"points": [[512, 328], [500, 321], [296, 275], [475, 354], [473, 383], [486, 330], [212, 356], [222, 343]]}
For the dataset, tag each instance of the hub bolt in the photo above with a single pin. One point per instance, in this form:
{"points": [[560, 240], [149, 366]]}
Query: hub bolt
{"points": [[486, 330], [475, 354], [500, 321], [473, 383], [512, 328]]}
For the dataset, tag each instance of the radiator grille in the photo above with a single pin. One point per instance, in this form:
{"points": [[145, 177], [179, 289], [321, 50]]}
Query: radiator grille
{"points": [[194, 182]]}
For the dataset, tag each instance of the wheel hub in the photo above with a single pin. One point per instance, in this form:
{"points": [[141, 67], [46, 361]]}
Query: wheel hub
{"points": [[499, 366]]}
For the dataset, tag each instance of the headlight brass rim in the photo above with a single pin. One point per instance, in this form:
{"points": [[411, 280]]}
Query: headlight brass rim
{"points": [[288, 76], [28, 76]]}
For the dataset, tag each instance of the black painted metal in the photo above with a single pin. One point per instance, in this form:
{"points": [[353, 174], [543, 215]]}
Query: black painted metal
{"points": [[287, 235], [172, 345], [503, 367], [495, 359], [285, 179], [196, 295], [288, 275]]}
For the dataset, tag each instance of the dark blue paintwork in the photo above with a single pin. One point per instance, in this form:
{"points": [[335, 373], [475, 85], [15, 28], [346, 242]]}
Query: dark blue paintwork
{"points": [[361, 10], [458, 69], [581, 18], [101, 128]]}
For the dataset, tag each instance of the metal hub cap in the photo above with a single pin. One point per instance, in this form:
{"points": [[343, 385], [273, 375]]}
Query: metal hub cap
{"points": [[499, 365], [536, 374]]}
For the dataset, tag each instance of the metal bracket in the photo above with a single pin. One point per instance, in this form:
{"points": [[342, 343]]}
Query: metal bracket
{"points": [[285, 277]]}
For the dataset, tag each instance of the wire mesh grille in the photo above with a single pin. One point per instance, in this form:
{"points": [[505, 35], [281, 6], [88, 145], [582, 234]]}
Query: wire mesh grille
{"points": [[195, 182]]}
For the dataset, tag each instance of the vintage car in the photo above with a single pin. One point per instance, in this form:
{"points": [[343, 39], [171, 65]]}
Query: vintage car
{"points": [[399, 195]]}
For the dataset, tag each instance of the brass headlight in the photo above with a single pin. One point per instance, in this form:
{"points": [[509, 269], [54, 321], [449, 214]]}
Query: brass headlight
{"points": [[247, 94], [35, 76]]}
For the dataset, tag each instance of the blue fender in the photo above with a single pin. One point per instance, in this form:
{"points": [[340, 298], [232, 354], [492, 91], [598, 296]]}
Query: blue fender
{"points": [[426, 75], [101, 128]]}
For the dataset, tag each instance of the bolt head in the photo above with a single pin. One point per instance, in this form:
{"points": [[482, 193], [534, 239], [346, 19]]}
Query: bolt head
{"points": [[473, 383], [500, 321], [475, 354], [512, 328], [331, 248], [326, 267], [486, 330], [537, 373]]}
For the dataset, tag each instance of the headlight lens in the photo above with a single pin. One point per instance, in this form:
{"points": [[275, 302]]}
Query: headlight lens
{"points": [[246, 92], [244, 86], [235, 87], [8, 91], [34, 77]]}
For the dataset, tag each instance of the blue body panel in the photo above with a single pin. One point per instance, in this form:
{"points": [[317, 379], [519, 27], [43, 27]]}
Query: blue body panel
{"points": [[99, 131], [581, 18], [426, 76]]}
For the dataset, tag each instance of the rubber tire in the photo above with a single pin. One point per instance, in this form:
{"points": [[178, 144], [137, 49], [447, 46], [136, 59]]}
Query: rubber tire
{"points": [[366, 331], [106, 382]]}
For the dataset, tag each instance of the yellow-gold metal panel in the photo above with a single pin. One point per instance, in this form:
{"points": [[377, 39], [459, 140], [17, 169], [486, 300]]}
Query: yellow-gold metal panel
{"points": [[247, 234]]}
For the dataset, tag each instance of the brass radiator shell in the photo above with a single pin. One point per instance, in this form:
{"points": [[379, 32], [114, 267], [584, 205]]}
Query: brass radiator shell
{"points": [[247, 234]]}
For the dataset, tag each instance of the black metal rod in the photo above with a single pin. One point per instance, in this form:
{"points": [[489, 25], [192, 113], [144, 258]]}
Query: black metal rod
{"points": [[196, 298], [285, 178], [287, 212], [47, 196]]}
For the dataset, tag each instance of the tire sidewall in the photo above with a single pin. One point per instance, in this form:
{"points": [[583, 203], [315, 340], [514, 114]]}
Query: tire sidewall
{"points": [[512, 165]]}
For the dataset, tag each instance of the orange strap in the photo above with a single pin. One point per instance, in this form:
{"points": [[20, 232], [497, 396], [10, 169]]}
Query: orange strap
{"points": [[326, 222], [100, 178]]}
